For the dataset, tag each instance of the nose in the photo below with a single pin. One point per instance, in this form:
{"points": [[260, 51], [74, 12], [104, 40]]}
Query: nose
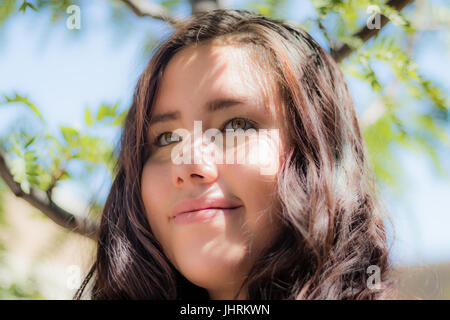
{"points": [[201, 171]]}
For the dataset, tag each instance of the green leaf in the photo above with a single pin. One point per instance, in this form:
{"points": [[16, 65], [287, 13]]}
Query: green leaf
{"points": [[69, 134], [106, 111], [169, 4], [18, 169], [88, 117], [397, 18], [26, 4], [7, 8], [30, 156], [30, 142], [268, 8], [380, 137], [119, 121], [24, 100], [65, 176]]}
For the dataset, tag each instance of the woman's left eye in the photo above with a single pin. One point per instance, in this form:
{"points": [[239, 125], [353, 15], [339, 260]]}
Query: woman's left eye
{"points": [[239, 123], [167, 138]]}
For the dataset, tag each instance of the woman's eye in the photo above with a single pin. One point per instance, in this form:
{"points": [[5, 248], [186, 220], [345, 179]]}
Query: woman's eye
{"points": [[166, 138], [239, 123]]}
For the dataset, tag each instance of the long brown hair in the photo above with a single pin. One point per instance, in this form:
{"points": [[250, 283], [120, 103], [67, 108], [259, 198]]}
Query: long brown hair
{"points": [[333, 222]]}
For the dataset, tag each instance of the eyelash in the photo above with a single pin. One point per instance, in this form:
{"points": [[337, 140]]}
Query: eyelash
{"points": [[252, 124]]}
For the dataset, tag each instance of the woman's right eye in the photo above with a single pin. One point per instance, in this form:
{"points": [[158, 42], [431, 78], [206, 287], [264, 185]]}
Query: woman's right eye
{"points": [[166, 138]]}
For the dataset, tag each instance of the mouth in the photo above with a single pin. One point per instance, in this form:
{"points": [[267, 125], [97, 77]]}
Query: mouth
{"points": [[204, 203], [203, 215]]}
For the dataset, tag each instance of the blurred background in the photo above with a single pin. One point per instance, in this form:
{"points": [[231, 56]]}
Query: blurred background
{"points": [[67, 74]]}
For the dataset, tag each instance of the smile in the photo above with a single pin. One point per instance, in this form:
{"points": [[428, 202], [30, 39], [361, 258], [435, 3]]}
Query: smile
{"points": [[202, 215]]}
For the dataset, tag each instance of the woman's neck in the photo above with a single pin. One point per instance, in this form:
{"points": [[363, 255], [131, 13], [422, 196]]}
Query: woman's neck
{"points": [[227, 294]]}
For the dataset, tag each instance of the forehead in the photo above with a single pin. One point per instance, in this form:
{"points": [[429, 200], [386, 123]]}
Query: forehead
{"points": [[206, 71]]}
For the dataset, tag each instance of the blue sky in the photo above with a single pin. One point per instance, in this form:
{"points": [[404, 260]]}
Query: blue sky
{"points": [[63, 74]]}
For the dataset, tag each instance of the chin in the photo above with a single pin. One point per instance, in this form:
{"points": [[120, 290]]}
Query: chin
{"points": [[205, 271]]}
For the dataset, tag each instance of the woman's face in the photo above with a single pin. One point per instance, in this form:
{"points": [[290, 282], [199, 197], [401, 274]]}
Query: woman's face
{"points": [[214, 248]]}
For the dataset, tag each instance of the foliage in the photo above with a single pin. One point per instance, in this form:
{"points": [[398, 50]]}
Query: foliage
{"points": [[44, 171], [423, 132], [26, 5], [268, 8], [21, 289], [40, 159], [337, 20]]}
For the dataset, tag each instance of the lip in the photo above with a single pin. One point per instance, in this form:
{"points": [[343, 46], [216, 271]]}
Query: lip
{"points": [[204, 215], [200, 204]]}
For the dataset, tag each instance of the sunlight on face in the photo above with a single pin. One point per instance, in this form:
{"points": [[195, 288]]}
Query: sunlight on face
{"points": [[216, 253]]}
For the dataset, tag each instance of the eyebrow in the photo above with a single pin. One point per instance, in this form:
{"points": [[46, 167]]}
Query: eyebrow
{"points": [[211, 106]]}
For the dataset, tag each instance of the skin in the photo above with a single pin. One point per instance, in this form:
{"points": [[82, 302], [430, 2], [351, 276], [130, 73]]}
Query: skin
{"points": [[214, 254]]}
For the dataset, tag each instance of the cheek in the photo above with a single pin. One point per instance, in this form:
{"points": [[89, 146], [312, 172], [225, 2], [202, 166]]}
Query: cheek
{"points": [[262, 201], [260, 225], [256, 185], [154, 191], [260, 154]]}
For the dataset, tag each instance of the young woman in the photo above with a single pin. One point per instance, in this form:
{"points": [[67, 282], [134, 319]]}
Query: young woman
{"points": [[311, 227]]}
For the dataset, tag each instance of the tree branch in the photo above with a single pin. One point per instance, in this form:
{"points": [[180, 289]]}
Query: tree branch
{"points": [[53, 182], [344, 50], [84, 226], [39, 199], [144, 8], [204, 5]]}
